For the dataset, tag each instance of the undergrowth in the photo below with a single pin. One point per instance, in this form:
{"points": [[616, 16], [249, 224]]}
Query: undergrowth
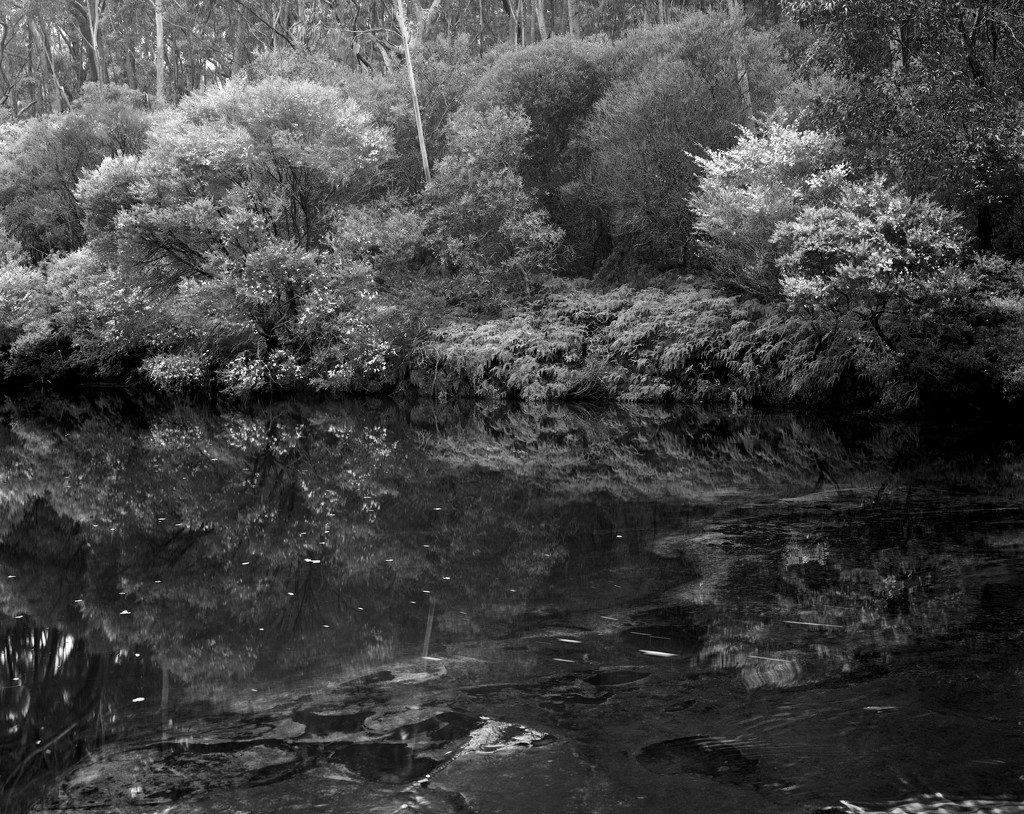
{"points": [[579, 343]]}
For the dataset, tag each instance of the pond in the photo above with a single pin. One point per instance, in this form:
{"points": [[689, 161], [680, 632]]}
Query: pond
{"points": [[379, 607]]}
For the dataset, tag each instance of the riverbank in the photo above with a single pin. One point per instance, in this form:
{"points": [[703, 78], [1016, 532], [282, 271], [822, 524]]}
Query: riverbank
{"points": [[568, 341], [255, 239]]}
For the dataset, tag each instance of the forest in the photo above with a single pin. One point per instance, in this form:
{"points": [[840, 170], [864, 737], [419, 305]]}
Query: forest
{"points": [[795, 203]]}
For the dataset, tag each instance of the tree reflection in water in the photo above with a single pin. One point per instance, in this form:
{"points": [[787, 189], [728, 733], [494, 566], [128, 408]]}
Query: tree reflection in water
{"points": [[228, 550], [52, 700]]}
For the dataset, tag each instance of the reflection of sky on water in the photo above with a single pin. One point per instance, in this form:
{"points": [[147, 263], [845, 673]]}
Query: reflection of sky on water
{"points": [[196, 558]]}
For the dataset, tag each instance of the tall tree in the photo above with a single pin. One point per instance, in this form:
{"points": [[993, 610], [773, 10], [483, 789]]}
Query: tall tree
{"points": [[400, 17], [89, 15], [742, 79], [158, 51]]}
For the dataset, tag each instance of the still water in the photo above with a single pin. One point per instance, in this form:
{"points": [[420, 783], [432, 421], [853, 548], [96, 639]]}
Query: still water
{"points": [[371, 607]]}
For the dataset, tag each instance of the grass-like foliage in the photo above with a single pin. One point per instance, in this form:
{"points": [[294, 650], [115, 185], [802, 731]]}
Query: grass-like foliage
{"points": [[577, 342]]}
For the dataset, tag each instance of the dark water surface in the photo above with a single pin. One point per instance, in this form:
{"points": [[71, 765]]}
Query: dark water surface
{"points": [[363, 606]]}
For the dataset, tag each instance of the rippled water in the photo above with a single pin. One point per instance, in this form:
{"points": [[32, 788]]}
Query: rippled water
{"points": [[713, 611]]}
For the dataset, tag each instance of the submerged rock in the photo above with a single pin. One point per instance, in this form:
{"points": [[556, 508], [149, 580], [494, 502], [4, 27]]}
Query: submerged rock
{"points": [[319, 724], [156, 777], [503, 777], [499, 736], [932, 804], [696, 754], [392, 763], [615, 678]]}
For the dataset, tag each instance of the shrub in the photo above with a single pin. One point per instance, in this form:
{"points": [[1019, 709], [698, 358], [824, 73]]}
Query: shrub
{"points": [[480, 220], [867, 272], [555, 84], [41, 161], [352, 337], [73, 316], [746, 192], [228, 216], [388, 234], [445, 71], [177, 373], [248, 375], [332, 332], [636, 150], [229, 167]]}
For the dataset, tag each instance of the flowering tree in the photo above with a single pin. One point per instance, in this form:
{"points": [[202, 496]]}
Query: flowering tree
{"points": [[745, 192], [876, 277]]}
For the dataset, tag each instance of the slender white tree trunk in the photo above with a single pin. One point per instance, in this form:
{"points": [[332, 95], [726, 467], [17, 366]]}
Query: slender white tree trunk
{"points": [[44, 43], [158, 51], [404, 29], [516, 31], [94, 9]]}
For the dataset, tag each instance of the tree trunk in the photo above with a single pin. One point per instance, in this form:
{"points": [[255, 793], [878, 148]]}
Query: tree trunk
{"points": [[88, 17], [570, 13], [513, 22], [13, 99], [971, 22], [175, 63], [279, 21], [385, 55], [984, 230], [37, 85], [63, 102], [158, 51], [480, 29], [81, 17], [131, 73], [424, 19], [542, 23], [400, 17], [896, 49], [240, 31], [742, 79], [94, 16]]}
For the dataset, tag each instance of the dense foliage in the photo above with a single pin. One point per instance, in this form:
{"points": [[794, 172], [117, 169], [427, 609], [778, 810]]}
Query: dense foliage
{"points": [[812, 204]]}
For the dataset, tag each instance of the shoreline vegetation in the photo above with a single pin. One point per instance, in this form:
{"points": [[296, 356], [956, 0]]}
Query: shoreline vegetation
{"points": [[778, 210]]}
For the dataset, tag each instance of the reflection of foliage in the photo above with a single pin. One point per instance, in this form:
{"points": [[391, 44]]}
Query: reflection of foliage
{"points": [[249, 545], [57, 700], [844, 598], [630, 452], [208, 528]]}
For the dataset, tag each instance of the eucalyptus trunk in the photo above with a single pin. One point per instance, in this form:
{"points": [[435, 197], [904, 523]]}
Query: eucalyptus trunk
{"points": [[158, 51], [404, 30], [542, 23], [742, 79], [570, 13]]}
